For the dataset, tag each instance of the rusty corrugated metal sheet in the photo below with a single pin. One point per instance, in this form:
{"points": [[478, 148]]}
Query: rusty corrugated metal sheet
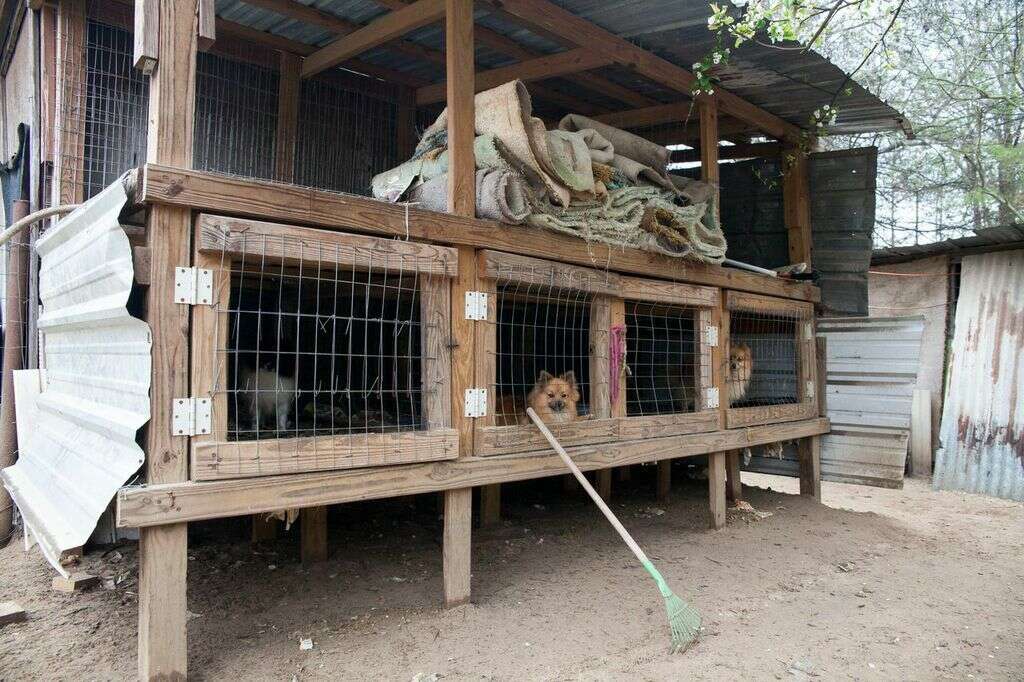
{"points": [[982, 432], [77, 424]]}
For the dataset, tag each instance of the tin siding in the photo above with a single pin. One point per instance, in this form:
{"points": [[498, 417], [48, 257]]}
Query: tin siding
{"points": [[982, 432], [79, 429]]}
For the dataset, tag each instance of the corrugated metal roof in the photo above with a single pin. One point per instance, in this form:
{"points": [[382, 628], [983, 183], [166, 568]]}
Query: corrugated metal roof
{"points": [[790, 83], [982, 241], [982, 431], [77, 438], [871, 370]]}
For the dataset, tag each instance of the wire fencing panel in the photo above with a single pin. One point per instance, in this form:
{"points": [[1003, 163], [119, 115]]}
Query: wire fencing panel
{"points": [[666, 366], [764, 358]]}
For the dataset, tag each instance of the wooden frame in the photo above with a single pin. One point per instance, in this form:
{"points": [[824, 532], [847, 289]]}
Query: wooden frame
{"points": [[219, 241], [805, 407], [610, 292]]}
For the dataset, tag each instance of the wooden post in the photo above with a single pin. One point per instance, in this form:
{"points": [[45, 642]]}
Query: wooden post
{"points": [[796, 204], [163, 550], [458, 504], [490, 505], [810, 466], [313, 539], [69, 120], [288, 90], [664, 479], [604, 484], [734, 488], [716, 488], [708, 108]]}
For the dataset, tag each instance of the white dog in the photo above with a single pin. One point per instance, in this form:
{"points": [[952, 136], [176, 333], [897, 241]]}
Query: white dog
{"points": [[268, 393]]}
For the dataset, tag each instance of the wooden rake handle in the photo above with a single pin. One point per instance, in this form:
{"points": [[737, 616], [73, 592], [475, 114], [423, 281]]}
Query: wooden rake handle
{"points": [[612, 519]]}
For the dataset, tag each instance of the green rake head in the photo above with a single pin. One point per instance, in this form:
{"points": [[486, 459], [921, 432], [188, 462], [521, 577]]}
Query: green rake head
{"points": [[683, 619]]}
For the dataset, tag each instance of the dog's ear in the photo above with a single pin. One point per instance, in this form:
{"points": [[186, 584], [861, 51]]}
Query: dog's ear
{"points": [[545, 377], [569, 378]]}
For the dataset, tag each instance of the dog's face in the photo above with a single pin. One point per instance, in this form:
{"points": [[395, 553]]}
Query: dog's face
{"points": [[554, 398], [741, 362]]}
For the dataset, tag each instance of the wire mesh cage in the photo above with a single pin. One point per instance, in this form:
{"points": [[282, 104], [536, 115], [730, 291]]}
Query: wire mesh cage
{"points": [[542, 357], [329, 347], [668, 366], [770, 356]]}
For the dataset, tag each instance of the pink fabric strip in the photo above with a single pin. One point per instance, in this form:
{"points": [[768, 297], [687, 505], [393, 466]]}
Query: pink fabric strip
{"points": [[616, 358]]}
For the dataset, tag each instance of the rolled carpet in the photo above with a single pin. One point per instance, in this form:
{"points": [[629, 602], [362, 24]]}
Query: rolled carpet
{"points": [[500, 195]]}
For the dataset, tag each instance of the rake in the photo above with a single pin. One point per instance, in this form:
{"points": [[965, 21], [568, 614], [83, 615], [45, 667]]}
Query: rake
{"points": [[683, 619]]}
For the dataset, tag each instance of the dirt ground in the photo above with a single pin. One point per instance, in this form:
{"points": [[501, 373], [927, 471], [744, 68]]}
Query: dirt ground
{"points": [[874, 584]]}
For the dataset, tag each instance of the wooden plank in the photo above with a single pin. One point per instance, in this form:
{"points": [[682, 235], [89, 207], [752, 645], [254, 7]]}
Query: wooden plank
{"points": [[313, 539], [600, 366], [490, 505], [740, 300], [658, 426], [734, 486], [287, 116], [265, 200], [69, 121], [210, 338], [503, 440], [48, 38], [152, 505], [538, 68], [146, 35], [921, 433], [639, 289], [220, 459], [163, 552], [650, 115], [716, 488], [436, 363], [12, 612], [458, 529], [664, 480], [509, 267], [547, 16], [810, 466], [237, 237], [796, 204], [206, 25], [604, 484], [739, 417], [383, 30]]}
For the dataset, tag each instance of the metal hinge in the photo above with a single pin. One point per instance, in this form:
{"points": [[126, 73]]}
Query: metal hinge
{"points": [[808, 330], [476, 305], [191, 417], [711, 397], [193, 286], [711, 336], [809, 390], [475, 403]]}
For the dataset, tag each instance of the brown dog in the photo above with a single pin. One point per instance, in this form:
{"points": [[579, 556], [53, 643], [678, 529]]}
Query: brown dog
{"points": [[554, 399], [741, 368]]}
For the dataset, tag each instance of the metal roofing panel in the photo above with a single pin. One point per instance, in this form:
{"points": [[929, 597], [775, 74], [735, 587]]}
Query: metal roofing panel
{"points": [[871, 370], [1009, 237], [982, 430], [78, 444]]}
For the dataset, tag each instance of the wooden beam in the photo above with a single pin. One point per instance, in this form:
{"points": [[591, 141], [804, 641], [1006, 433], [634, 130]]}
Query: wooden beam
{"points": [[734, 489], [539, 68], [549, 17], [736, 151], [153, 505], [288, 90], [374, 34], [796, 204], [604, 484], [490, 505], [664, 481], [163, 552], [716, 488], [198, 190], [206, 25], [921, 433], [313, 529], [458, 528], [69, 124], [809, 450], [146, 35], [709, 144], [650, 116]]}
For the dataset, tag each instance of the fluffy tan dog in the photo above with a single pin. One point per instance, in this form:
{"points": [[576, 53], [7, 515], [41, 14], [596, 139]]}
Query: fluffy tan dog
{"points": [[554, 398], [741, 367]]}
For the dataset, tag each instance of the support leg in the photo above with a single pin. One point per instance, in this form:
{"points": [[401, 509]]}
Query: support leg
{"points": [[263, 529], [810, 466], [490, 505], [734, 490], [604, 484], [163, 564], [313, 539], [716, 488], [458, 528], [664, 479], [625, 473]]}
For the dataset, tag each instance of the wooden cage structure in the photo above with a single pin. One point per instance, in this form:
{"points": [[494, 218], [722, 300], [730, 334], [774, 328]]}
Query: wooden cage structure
{"points": [[464, 314]]}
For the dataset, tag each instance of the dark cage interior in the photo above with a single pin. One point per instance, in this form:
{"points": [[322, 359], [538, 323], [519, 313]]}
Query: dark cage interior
{"points": [[663, 359], [763, 359], [322, 351], [542, 331]]}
